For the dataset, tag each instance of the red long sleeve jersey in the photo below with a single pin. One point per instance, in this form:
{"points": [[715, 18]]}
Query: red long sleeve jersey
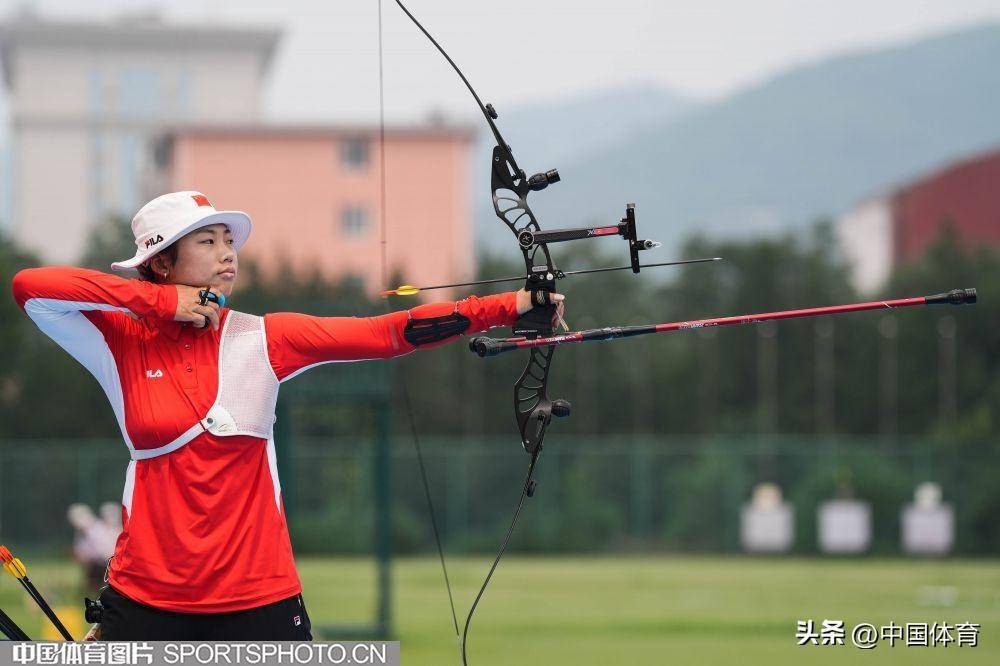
{"points": [[204, 527]]}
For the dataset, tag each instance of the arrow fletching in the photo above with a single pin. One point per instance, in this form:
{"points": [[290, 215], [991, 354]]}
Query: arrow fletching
{"points": [[16, 568], [401, 290], [13, 565]]}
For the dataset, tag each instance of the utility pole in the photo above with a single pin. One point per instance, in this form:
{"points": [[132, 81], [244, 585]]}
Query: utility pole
{"points": [[888, 370], [767, 378], [708, 384], [826, 385], [947, 371]]}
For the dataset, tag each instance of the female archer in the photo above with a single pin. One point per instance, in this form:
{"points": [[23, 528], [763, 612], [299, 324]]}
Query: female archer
{"points": [[204, 553]]}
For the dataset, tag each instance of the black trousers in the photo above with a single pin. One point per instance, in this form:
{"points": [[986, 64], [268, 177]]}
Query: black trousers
{"points": [[128, 620]]}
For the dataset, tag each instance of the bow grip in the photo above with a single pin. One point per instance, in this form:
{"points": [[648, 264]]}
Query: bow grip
{"points": [[535, 322], [538, 320]]}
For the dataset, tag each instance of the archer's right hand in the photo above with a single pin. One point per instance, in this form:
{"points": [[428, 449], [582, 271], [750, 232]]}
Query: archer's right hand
{"points": [[190, 309]]}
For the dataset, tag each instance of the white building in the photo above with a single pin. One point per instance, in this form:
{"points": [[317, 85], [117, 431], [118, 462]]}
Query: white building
{"points": [[85, 100], [865, 237]]}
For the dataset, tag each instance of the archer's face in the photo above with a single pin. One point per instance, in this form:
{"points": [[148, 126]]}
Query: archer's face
{"points": [[205, 257]]}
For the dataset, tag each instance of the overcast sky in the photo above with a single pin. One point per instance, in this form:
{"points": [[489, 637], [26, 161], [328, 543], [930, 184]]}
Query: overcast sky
{"points": [[524, 51]]}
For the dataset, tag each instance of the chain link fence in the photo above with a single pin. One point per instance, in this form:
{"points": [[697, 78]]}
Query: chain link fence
{"points": [[606, 494]]}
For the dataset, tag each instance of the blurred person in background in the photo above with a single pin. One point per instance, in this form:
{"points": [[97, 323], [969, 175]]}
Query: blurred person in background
{"points": [[93, 544], [111, 516], [204, 553]]}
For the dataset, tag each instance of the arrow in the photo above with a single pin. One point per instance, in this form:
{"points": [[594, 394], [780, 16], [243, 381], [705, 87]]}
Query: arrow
{"points": [[10, 628], [410, 290], [16, 568]]}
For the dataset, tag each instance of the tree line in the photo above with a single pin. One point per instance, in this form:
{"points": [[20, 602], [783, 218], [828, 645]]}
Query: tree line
{"points": [[925, 371], [875, 381]]}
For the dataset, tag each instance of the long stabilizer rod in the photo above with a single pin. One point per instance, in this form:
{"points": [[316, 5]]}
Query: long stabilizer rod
{"points": [[486, 346]]}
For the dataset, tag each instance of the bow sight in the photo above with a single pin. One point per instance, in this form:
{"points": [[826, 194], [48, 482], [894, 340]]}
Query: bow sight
{"points": [[625, 228]]}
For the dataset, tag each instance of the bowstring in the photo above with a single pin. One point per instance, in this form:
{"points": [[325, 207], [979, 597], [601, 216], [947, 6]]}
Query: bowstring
{"points": [[404, 387], [463, 636]]}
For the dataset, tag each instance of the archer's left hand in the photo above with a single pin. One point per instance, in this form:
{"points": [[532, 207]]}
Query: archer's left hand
{"points": [[524, 304]]}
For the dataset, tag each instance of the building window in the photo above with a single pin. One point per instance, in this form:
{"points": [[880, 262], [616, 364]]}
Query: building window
{"points": [[355, 221], [354, 153], [6, 187], [139, 93], [163, 153], [131, 160]]}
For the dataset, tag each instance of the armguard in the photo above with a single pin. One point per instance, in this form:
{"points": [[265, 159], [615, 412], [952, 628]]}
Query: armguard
{"points": [[427, 330]]}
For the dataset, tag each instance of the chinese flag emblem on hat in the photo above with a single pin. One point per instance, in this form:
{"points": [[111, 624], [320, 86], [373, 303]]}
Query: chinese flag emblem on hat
{"points": [[201, 200]]}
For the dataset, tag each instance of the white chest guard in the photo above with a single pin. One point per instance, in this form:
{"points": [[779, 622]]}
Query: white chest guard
{"points": [[248, 388]]}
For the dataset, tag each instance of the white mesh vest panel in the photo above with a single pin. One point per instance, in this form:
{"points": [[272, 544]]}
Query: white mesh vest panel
{"points": [[248, 387]]}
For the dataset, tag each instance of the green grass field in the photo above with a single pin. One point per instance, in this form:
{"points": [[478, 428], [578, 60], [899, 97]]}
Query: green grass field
{"points": [[642, 610]]}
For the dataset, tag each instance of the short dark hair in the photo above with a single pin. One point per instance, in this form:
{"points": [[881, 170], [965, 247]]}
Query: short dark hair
{"points": [[146, 273]]}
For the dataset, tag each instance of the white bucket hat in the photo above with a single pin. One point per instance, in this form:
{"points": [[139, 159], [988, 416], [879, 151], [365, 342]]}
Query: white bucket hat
{"points": [[170, 216]]}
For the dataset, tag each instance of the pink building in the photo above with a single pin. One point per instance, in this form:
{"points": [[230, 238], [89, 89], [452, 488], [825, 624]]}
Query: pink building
{"points": [[314, 195]]}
